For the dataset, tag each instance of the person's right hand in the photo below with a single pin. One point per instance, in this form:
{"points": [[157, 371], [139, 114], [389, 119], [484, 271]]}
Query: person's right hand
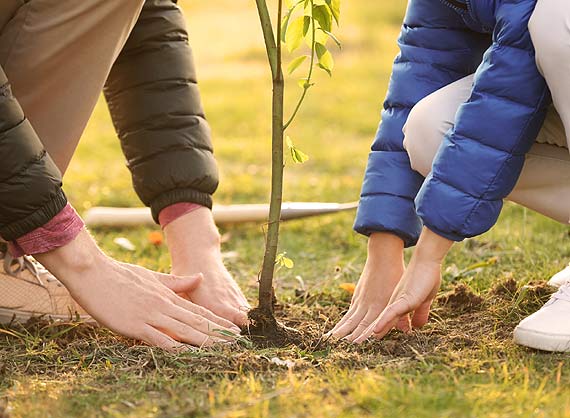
{"points": [[382, 272], [133, 301]]}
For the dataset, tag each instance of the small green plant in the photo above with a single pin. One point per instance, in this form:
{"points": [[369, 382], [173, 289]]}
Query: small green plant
{"points": [[283, 261], [307, 22]]}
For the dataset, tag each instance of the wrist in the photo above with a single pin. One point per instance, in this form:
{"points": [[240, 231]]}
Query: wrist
{"points": [[73, 259], [432, 248], [191, 236], [194, 230], [386, 249]]}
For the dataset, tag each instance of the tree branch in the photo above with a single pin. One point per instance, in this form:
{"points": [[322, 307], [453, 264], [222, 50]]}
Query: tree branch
{"points": [[268, 35]]}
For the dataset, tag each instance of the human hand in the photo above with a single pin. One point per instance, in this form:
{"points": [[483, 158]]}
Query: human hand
{"points": [[411, 301], [133, 301], [194, 244], [383, 269]]}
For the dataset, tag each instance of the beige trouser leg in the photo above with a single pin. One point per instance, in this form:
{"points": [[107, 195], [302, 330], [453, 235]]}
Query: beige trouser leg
{"points": [[57, 55], [550, 31], [544, 184]]}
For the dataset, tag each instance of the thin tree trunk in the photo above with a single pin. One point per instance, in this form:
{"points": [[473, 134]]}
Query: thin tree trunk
{"points": [[272, 242], [273, 47]]}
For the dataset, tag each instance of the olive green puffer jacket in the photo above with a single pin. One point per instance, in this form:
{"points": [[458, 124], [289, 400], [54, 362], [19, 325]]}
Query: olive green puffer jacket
{"points": [[155, 105], [30, 182]]}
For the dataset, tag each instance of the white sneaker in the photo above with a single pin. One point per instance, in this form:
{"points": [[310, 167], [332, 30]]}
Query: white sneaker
{"points": [[548, 329], [560, 278]]}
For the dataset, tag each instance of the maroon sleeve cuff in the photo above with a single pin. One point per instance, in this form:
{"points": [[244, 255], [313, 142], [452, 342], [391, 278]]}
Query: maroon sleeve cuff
{"points": [[175, 211], [60, 230]]}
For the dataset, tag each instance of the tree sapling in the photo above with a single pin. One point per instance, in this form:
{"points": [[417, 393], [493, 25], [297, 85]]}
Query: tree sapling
{"points": [[310, 21]]}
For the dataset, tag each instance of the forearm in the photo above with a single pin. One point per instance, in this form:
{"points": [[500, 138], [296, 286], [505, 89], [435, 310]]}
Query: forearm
{"points": [[156, 108], [195, 247]]}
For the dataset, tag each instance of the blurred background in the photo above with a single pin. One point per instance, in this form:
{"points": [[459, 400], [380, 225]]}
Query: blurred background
{"points": [[335, 127]]}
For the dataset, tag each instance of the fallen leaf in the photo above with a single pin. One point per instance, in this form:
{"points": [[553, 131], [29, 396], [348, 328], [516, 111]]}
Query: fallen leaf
{"points": [[155, 238], [348, 287]]}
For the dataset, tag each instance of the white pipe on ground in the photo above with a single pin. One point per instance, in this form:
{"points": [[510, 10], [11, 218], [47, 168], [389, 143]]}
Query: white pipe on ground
{"points": [[223, 214]]}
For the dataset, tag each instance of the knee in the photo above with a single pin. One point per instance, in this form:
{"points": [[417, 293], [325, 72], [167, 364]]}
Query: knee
{"points": [[549, 30], [422, 137]]}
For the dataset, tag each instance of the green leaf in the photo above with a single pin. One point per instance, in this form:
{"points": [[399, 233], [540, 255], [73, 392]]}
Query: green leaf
{"points": [[308, 11], [326, 61], [298, 156], [287, 262], [282, 261], [307, 28], [292, 4], [323, 15], [296, 63], [335, 9], [320, 36], [294, 34], [334, 38], [284, 27]]}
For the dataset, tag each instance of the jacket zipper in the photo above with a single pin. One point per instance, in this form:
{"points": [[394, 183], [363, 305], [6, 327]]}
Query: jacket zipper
{"points": [[457, 4]]}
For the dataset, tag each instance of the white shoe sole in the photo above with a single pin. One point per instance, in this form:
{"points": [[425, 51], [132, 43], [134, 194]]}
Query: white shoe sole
{"points": [[8, 316], [542, 341], [560, 278]]}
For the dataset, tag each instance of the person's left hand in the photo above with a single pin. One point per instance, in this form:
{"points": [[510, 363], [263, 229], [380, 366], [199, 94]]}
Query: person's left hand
{"points": [[194, 244], [218, 291]]}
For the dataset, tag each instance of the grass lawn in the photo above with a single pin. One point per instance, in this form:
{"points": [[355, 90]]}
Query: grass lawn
{"points": [[463, 364]]}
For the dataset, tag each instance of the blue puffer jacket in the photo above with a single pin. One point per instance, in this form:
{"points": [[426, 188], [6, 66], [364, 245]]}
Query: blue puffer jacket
{"points": [[480, 159]]}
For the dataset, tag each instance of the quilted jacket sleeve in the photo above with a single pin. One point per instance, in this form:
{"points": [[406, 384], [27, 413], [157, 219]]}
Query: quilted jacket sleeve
{"points": [[155, 105], [30, 182], [436, 49], [463, 195]]}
